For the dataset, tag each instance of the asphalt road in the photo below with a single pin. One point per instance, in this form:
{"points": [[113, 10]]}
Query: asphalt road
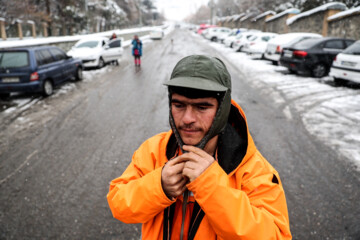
{"points": [[55, 170]]}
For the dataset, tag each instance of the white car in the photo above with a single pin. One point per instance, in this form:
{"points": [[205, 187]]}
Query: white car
{"points": [[156, 33], [241, 39], [346, 65], [98, 51], [229, 40], [275, 45], [216, 34], [257, 44]]}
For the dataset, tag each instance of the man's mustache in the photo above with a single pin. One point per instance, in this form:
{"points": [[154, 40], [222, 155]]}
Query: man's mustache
{"points": [[190, 127]]}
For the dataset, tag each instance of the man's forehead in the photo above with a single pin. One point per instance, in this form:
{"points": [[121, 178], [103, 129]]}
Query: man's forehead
{"points": [[178, 97]]}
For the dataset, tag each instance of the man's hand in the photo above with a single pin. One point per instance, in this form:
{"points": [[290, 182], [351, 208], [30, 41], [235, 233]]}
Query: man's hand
{"points": [[196, 161], [172, 179]]}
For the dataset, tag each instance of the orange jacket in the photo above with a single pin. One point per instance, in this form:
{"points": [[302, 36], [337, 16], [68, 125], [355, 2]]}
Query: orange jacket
{"points": [[237, 197]]}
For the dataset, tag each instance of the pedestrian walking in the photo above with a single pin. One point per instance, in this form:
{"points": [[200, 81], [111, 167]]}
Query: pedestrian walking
{"points": [[204, 178], [137, 50]]}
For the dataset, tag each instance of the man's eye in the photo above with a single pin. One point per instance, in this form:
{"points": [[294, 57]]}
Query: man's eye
{"points": [[202, 107], [176, 105]]}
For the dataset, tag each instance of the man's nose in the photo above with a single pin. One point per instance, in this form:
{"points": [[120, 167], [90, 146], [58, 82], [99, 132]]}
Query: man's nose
{"points": [[189, 115]]}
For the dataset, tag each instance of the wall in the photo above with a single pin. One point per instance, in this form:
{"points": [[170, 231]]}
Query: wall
{"points": [[278, 25], [312, 23], [347, 27]]}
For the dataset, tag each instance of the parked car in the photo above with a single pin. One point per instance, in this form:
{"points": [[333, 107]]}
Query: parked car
{"points": [[202, 27], [346, 65], [275, 45], [229, 40], [156, 34], [313, 56], [257, 44], [98, 51], [217, 33], [36, 69], [241, 39]]}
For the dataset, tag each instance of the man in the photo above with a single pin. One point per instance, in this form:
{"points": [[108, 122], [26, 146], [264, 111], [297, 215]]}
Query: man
{"points": [[204, 179]]}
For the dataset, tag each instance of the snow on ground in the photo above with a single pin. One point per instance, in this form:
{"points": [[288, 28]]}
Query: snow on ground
{"points": [[330, 113]]}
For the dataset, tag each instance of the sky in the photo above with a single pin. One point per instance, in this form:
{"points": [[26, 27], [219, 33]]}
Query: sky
{"points": [[178, 10]]}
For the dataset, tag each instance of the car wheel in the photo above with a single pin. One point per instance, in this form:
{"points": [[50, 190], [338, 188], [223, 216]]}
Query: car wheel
{"points": [[231, 45], [214, 39], [48, 88], [4, 96], [274, 63], [101, 63], [79, 74], [319, 70], [292, 71]]}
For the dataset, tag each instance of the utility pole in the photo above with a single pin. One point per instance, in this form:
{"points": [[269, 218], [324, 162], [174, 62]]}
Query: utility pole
{"points": [[140, 18], [212, 6]]}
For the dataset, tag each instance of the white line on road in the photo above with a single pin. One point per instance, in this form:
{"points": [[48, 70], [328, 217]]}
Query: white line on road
{"points": [[13, 173]]}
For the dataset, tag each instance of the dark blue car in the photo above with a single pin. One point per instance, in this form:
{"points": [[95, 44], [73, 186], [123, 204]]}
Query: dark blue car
{"points": [[36, 69]]}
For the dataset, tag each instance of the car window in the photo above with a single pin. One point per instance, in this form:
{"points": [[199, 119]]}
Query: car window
{"points": [[252, 38], [353, 49], [306, 43], [14, 59], [58, 54], [348, 42], [115, 44], [39, 58], [265, 38], [47, 57], [89, 44], [334, 44]]}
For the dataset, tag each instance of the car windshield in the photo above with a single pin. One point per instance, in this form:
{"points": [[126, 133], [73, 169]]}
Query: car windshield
{"points": [[14, 59], [252, 38], [353, 49], [89, 44], [307, 43]]}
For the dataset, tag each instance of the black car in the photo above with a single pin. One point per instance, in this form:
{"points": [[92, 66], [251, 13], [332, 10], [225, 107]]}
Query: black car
{"points": [[36, 69], [313, 56]]}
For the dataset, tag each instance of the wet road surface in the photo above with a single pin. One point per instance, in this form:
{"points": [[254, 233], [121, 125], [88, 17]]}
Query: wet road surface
{"points": [[55, 171]]}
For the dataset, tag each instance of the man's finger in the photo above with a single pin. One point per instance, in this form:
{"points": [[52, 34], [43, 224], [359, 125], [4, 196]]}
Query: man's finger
{"points": [[175, 161], [177, 168], [195, 150], [190, 165]]}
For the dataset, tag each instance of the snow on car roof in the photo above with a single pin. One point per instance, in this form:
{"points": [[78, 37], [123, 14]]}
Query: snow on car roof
{"points": [[333, 5], [288, 11], [344, 13]]}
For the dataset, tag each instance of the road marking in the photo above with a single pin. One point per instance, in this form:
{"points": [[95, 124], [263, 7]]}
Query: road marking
{"points": [[22, 165]]}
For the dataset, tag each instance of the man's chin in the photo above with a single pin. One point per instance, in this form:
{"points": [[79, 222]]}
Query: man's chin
{"points": [[191, 142]]}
